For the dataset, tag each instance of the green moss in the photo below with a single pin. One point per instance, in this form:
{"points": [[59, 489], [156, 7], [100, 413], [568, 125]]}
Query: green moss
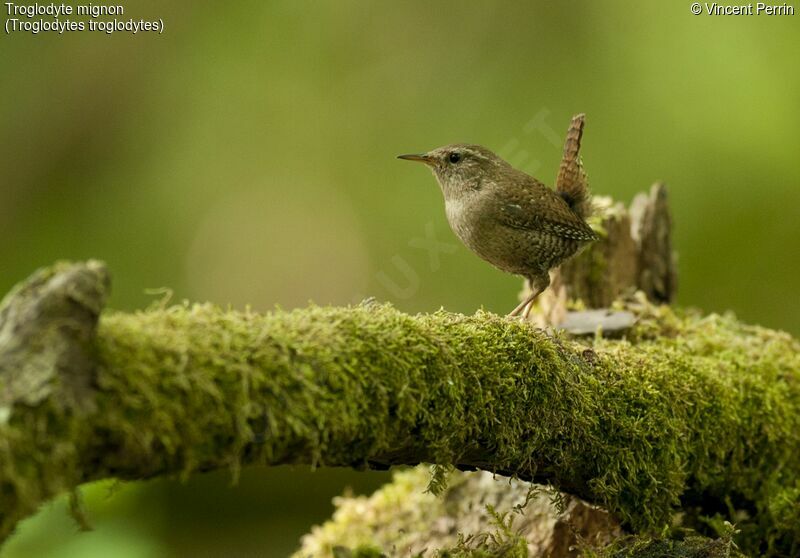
{"points": [[690, 546], [473, 516], [359, 552], [390, 519], [686, 405], [688, 411], [503, 541], [47, 326], [401, 518]]}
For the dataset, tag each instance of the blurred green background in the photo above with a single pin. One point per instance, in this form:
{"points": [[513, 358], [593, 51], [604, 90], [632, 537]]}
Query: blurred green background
{"points": [[246, 156]]}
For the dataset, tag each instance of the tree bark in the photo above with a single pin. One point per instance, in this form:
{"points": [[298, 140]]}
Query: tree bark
{"points": [[634, 253]]}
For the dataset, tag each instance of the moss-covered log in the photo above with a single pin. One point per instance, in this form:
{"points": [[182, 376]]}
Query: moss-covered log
{"points": [[475, 511], [699, 413], [480, 516]]}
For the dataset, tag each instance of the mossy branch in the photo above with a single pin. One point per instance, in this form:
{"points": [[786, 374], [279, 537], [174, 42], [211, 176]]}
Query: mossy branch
{"points": [[702, 413]]}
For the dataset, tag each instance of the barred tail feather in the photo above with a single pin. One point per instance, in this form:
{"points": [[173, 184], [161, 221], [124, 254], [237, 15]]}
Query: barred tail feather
{"points": [[571, 183]]}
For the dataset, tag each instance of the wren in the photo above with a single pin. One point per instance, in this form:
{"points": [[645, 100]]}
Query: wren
{"points": [[509, 218]]}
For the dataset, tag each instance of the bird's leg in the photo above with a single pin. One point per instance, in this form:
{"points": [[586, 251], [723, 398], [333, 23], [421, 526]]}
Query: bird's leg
{"points": [[537, 285], [529, 307], [522, 306], [525, 307]]}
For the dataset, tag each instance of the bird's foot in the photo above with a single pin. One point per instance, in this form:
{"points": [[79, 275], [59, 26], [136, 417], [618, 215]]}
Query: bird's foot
{"points": [[519, 309], [524, 308]]}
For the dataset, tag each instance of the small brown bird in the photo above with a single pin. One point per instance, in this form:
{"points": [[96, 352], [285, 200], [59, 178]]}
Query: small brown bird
{"points": [[509, 218]]}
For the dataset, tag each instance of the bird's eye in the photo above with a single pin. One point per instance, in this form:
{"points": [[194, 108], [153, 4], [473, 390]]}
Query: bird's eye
{"points": [[454, 157]]}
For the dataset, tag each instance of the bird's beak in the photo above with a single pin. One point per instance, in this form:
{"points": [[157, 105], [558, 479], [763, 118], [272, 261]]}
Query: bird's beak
{"points": [[422, 158]]}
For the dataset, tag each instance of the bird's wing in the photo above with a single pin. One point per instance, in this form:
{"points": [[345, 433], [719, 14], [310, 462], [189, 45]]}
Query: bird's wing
{"points": [[525, 211]]}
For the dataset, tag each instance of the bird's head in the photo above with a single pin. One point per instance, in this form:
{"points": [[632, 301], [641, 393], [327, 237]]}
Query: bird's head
{"points": [[461, 168]]}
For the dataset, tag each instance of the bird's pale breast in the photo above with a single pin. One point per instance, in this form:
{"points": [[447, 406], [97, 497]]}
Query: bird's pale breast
{"points": [[523, 252]]}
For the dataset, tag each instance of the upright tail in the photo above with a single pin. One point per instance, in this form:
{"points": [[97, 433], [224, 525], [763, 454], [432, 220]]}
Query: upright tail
{"points": [[571, 183]]}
